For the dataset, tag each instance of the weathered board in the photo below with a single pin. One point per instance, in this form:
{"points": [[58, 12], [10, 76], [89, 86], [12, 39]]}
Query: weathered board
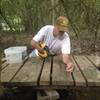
{"points": [[29, 74], [8, 72], [4, 65], [78, 77], [89, 70], [45, 75], [59, 74], [94, 59], [51, 72]]}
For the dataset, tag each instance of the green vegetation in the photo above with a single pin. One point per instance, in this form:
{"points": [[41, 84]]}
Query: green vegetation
{"points": [[30, 15]]}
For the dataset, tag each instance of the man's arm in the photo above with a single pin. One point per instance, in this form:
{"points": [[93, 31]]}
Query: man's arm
{"points": [[35, 45], [39, 37], [68, 62]]}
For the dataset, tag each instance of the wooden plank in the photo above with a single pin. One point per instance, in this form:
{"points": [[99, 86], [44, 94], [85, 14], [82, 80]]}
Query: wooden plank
{"points": [[8, 72], [78, 77], [4, 65], [94, 59], [59, 75], [90, 72], [3, 60], [29, 74], [45, 76]]}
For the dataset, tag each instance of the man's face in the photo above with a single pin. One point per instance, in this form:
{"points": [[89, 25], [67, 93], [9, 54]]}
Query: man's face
{"points": [[61, 32], [58, 32]]}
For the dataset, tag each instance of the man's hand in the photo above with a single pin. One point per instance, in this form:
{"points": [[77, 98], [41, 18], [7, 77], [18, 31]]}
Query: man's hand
{"points": [[68, 62], [44, 54], [35, 45], [69, 67]]}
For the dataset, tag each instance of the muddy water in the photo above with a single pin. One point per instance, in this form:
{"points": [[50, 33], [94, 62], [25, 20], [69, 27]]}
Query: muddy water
{"points": [[28, 93]]}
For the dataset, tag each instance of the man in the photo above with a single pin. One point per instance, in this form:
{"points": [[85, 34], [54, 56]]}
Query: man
{"points": [[56, 39]]}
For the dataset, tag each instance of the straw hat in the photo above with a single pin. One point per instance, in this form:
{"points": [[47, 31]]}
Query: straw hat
{"points": [[62, 23]]}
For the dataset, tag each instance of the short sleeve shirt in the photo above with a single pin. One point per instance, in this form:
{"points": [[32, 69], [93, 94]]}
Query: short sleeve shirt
{"points": [[55, 45]]}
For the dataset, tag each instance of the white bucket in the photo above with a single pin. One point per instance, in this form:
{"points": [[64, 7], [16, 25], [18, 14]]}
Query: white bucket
{"points": [[15, 54]]}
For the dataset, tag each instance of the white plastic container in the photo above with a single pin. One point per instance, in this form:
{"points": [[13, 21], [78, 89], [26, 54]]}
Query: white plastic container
{"points": [[15, 54]]}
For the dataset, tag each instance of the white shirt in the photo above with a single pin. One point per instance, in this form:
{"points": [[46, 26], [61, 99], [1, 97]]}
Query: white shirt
{"points": [[55, 45]]}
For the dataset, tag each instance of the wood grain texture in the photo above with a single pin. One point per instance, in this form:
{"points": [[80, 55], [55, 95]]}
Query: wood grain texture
{"points": [[95, 59], [59, 75], [8, 72], [45, 75], [89, 70], [78, 77], [29, 74], [51, 73]]}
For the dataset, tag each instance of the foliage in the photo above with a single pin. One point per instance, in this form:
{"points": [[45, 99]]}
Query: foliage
{"points": [[30, 15]]}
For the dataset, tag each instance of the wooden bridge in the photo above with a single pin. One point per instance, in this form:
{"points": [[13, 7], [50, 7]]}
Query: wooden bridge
{"points": [[50, 73]]}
